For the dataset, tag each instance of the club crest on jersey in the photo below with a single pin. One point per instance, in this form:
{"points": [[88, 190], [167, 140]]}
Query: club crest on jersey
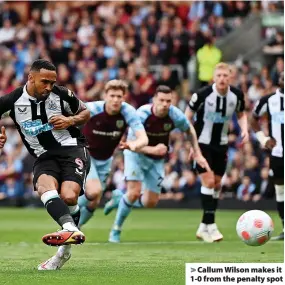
{"points": [[52, 105], [79, 162], [120, 124], [167, 127], [23, 110]]}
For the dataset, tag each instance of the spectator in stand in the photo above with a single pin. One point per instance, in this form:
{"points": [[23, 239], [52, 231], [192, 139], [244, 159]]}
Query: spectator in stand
{"points": [[245, 190], [255, 90], [208, 57], [7, 13]]}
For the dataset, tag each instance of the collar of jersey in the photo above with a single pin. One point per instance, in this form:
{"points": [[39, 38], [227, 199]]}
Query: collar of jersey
{"points": [[26, 94], [216, 91]]}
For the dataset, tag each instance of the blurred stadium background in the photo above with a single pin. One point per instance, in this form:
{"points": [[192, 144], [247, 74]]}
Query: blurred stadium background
{"points": [[147, 44]]}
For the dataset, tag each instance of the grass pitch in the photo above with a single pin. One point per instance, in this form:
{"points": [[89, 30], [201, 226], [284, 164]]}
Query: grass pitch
{"points": [[155, 246]]}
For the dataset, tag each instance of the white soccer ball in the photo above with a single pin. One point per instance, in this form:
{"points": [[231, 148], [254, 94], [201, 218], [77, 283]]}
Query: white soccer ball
{"points": [[255, 227]]}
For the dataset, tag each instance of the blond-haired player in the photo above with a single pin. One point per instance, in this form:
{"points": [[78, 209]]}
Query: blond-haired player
{"points": [[214, 106]]}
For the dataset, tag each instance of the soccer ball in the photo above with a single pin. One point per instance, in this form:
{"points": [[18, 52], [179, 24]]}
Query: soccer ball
{"points": [[255, 227]]}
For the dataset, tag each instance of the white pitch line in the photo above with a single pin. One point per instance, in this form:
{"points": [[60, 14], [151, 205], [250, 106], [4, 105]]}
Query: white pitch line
{"points": [[23, 244]]}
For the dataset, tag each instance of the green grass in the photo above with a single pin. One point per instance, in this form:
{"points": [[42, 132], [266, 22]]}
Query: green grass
{"points": [[155, 246]]}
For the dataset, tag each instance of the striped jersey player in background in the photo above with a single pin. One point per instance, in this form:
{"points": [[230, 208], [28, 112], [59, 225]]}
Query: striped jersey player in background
{"points": [[48, 117], [213, 106], [109, 120], [144, 169], [273, 106]]}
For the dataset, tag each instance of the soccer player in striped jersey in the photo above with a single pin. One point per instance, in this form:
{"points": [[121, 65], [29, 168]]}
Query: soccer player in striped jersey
{"points": [[144, 169], [48, 118], [212, 108], [273, 106]]}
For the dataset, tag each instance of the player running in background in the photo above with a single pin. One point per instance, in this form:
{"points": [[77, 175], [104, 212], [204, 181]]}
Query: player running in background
{"points": [[47, 117], [273, 106], [144, 169], [214, 107], [109, 121]]}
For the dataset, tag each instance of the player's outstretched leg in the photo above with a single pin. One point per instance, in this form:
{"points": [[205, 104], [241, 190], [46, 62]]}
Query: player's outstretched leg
{"points": [[279, 189], [87, 211], [58, 260], [208, 214], [60, 212], [95, 184], [124, 209], [113, 203], [64, 251], [212, 228]]}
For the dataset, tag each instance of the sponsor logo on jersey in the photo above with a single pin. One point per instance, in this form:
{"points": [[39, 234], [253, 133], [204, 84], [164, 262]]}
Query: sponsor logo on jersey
{"points": [[278, 117], [34, 128], [113, 134], [120, 124], [157, 134], [167, 127], [216, 117], [23, 110]]}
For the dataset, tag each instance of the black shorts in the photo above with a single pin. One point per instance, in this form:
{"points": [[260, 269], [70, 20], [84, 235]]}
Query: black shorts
{"points": [[277, 168], [65, 164], [216, 157]]}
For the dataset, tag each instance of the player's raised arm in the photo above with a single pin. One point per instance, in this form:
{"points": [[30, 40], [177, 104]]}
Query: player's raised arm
{"points": [[159, 150], [134, 121], [77, 112]]}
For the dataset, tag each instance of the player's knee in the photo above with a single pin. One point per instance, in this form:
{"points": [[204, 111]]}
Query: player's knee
{"points": [[133, 190], [70, 198], [150, 203], [93, 194], [93, 204], [133, 195], [210, 183], [46, 183]]}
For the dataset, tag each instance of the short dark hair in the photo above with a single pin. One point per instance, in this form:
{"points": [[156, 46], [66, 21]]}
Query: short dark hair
{"points": [[163, 89], [42, 63]]}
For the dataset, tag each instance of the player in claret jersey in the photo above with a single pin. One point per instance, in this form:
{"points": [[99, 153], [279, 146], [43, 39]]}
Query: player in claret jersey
{"points": [[109, 120], [144, 168]]}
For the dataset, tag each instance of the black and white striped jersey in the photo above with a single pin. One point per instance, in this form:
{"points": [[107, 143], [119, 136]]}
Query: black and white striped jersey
{"points": [[273, 106], [214, 113], [31, 118]]}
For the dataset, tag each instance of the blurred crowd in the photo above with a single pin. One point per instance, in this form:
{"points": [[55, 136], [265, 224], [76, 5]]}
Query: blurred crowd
{"points": [[146, 44]]}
